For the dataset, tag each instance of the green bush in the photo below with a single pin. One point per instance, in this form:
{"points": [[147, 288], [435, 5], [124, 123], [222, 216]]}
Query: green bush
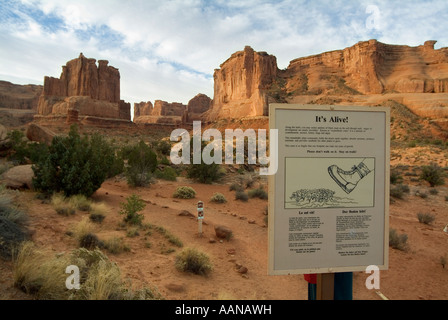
{"points": [[142, 162], [204, 173], [425, 218], [184, 193], [241, 195], [218, 198], [130, 209], [258, 193], [398, 191], [433, 174], [236, 187], [167, 173], [398, 241], [191, 260], [74, 165]]}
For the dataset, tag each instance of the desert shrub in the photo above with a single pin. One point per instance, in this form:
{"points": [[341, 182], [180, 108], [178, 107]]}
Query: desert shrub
{"points": [[218, 198], [398, 191], [433, 174], [39, 273], [398, 241], [142, 162], [167, 173], [116, 245], [10, 211], [184, 192], [202, 172], [169, 236], [96, 217], [42, 274], [236, 187], [80, 202], [425, 218], [90, 241], [433, 191], [133, 232], [163, 147], [191, 260], [62, 205], [130, 209], [241, 195], [258, 193], [97, 212], [74, 165], [395, 177]]}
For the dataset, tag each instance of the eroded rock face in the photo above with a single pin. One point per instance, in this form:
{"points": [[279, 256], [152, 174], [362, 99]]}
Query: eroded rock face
{"points": [[197, 106], [372, 67], [241, 84], [248, 80], [84, 87], [162, 112]]}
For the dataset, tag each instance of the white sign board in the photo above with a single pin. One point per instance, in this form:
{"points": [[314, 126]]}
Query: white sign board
{"points": [[329, 200]]}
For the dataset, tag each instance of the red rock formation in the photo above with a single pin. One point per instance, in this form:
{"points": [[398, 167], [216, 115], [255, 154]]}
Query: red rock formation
{"points": [[15, 96], [143, 109], [91, 90], [246, 81], [241, 84], [197, 106], [372, 67], [162, 113]]}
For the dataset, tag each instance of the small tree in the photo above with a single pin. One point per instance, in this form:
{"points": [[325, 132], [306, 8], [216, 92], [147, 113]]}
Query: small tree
{"points": [[433, 174], [130, 209], [142, 162], [74, 165]]}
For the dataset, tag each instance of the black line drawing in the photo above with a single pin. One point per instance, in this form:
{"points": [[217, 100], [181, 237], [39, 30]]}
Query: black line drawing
{"points": [[348, 180], [311, 182]]}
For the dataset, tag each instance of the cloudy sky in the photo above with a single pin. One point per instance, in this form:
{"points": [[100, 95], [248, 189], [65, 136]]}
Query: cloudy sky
{"points": [[168, 49]]}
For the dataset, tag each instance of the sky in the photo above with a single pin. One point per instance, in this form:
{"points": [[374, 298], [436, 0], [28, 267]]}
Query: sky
{"points": [[168, 49]]}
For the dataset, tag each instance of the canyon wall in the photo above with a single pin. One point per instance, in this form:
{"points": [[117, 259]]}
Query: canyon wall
{"points": [[249, 80]]}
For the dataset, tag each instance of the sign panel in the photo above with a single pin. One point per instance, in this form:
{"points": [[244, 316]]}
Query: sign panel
{"points": [[329, 200]]}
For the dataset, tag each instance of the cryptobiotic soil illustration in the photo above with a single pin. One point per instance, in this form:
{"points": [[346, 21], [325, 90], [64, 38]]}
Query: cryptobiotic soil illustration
{"points": [[333, 182]]}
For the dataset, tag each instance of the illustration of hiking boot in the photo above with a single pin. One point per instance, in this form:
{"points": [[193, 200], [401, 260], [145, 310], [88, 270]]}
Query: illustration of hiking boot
{"points": [[348, 180]]}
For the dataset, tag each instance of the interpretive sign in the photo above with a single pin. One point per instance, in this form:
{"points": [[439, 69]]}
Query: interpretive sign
{"points": [[329, 200]]}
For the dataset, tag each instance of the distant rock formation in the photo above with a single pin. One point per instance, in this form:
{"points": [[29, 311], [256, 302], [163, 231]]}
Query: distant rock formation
{"points": [[161, 113], [173, 113], [249, 80], [15, 96], [241, 84], [85, 89]]}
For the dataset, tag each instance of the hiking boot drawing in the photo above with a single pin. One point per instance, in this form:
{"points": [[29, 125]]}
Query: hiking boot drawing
{"points": [[348, 180]]}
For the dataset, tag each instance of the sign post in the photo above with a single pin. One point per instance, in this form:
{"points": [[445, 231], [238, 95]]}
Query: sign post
{"points": [[200, 216], [329, 200]]}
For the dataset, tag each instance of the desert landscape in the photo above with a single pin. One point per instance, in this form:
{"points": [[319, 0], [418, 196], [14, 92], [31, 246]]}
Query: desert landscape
{"points": [[411, 81]]}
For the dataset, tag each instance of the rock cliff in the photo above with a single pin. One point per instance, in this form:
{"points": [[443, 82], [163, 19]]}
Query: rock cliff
{"points": [[249, 80], [83, 89], [241, 83]]}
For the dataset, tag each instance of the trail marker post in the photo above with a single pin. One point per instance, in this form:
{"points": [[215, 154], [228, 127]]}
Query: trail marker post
{"points": [[200, 216]]}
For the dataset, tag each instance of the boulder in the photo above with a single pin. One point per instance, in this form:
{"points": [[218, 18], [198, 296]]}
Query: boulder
{"points": [[38, 133], [18, 177], [223, 232]]}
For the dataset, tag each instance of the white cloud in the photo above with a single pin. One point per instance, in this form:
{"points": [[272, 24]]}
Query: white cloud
{"points": [[168, 49]]}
